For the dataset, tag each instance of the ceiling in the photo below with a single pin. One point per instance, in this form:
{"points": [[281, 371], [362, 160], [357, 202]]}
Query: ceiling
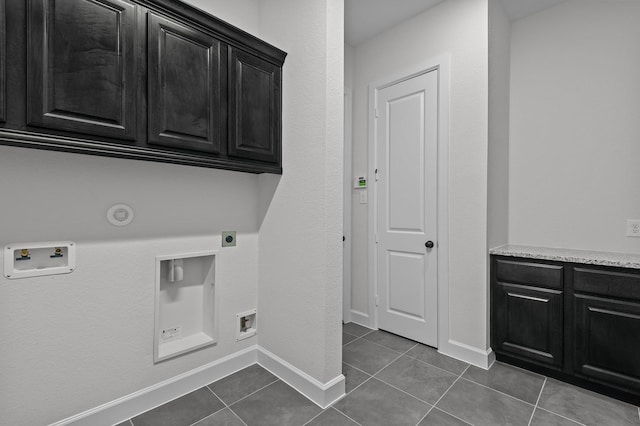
{"points": [[365, 19]]}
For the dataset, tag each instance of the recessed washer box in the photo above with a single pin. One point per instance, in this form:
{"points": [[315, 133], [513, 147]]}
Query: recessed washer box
{"points": [[185, 304], [23, 260]]}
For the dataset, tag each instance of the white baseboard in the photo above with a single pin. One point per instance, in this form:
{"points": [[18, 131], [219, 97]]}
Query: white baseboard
{"points": [[145, 399], [361, 318], [116, 411], [323, 394], [472, 355]]}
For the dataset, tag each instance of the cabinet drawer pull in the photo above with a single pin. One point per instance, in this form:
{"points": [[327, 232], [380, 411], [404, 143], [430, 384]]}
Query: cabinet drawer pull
{"points": [[535, 299]]}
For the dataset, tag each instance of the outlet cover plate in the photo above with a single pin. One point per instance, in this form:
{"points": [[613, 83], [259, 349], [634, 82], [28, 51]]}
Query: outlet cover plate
{"points": [[229, 239], [251, 325], [633, 228]]}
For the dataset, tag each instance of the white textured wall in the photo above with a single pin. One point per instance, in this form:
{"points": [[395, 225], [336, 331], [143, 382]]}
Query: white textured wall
{"points": [[349, 58], [458, 28], [498, 165], [300, 285], [498, 182], [575, 96], [72, 342], [244, 14]]}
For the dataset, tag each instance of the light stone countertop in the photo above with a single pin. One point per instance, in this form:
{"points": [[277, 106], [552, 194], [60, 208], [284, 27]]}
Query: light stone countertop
{"points": [[603, 258]]}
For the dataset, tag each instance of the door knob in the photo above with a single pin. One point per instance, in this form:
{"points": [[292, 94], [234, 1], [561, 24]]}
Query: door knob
{"points": [[429, 244]]}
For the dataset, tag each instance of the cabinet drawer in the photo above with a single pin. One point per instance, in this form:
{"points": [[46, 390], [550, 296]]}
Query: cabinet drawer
{"points": [[607, 339], [528, 323], [607, 283], [538, 274]]}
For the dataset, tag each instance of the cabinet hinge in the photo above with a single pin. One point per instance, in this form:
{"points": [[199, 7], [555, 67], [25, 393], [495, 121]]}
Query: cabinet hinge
{"points": [[375, 236], [375, 112], [377, 300], [376, 174]]}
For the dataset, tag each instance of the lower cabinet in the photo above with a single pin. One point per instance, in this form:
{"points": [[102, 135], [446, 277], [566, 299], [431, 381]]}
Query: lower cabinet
{"points": [[607, 327], [578, 323], [528, 323]]}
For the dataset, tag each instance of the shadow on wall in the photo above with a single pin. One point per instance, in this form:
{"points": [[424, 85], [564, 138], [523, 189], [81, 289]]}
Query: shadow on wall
{"points": [[267, 187], [63, 196]]}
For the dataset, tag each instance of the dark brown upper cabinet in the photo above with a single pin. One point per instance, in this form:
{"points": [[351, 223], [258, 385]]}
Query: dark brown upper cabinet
{"points": [[82, 66], [3, 62], [152, 80], [184, 95], [255, 111]]}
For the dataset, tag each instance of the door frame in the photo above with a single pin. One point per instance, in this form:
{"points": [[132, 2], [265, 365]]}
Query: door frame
{"points": [[442, 65], [347, 200]]}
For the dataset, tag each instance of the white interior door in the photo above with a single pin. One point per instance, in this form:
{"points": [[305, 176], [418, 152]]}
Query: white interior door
{"points": [[406, 192]]}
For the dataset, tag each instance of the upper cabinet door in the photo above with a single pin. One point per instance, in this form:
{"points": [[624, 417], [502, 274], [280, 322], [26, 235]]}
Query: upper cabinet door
{"points": [[184, 87], [82, 66], [254, 108], [3, 62]]}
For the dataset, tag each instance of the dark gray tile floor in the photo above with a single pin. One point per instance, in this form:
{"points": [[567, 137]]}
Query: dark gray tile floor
{"points": [[394, 381]]}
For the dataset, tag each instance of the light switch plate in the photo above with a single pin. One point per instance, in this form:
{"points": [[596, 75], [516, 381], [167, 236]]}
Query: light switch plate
{"points": [[229, 239]]}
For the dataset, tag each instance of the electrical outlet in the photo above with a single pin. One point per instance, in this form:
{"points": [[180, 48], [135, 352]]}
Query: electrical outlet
{"points": [[229, 239], [247, 325], [633, 228], [171, 333]]}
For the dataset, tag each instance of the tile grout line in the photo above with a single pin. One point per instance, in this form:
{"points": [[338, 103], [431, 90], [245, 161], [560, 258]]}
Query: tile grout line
{"points": [[452, 415], [535, 407], [381, 345], [369, 378], [433, 407], [440, 368], [447, 391], [356, 337], [327, 409], [216, 412], [247, 396], [564, 417], [352, 366], [495, 390], [314, 417], [226, 406], [449, 388], [403, 391], [386, 347], [229, 406], [353, 420]]}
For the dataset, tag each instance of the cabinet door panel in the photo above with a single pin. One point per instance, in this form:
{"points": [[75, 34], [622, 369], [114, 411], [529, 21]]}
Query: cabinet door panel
{"points": [[607, 340], [82, 66], [528, 323], [184, 87], [3, 62], [254, 108]]}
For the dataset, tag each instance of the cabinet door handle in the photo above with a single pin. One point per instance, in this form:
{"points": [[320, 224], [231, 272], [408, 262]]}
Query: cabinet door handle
{"points": [[429, 244], [522, 296]]}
